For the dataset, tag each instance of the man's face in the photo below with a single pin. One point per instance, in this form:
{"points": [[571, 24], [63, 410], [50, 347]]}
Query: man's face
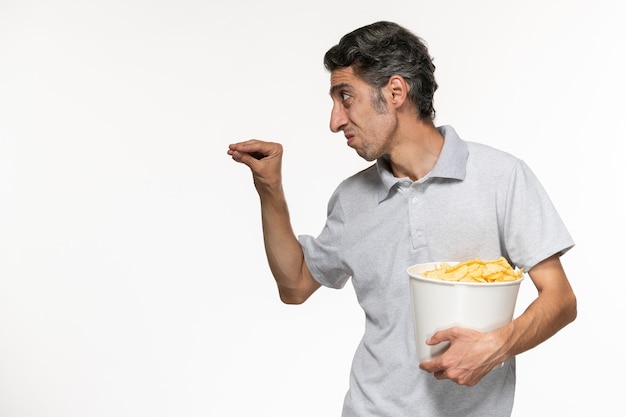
{"points": [[362, 114]]}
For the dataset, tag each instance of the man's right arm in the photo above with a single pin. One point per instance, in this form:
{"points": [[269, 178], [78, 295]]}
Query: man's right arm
{"points": [[284, 253]]}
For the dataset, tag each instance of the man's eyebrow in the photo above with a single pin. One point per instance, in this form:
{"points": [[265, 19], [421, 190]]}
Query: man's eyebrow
{"points": [[340, 86]]}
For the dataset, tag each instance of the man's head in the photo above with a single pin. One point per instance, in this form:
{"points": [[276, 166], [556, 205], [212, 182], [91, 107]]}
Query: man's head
{"points": [[378, 51]]}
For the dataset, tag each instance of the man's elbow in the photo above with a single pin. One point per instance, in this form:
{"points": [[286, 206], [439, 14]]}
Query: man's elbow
{"points": [[292, 297], [297, 295], [572, 309]]}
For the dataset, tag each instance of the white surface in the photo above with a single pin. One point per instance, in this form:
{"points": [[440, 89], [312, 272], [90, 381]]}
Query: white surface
{"points": [[133, 280], [439, 304]]}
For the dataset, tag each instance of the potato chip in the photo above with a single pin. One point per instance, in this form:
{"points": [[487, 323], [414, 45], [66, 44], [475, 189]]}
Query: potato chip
{"points": [[476, 270]]}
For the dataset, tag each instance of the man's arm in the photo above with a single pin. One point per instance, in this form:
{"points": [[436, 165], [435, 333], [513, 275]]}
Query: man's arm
{"points": [[284, 253], [473, 354], [554, 308]]}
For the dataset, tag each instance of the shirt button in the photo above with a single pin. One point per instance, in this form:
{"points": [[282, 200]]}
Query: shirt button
{"points": [[414, 200]]}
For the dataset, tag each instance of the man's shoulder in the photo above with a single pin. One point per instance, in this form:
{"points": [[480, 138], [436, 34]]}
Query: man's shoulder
{"points": [[365, 177], [486, 155], [359, 187], [476, 149], [482, 148]]}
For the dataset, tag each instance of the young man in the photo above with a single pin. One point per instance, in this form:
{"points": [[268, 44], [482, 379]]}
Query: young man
{"points": [[429, 196]]}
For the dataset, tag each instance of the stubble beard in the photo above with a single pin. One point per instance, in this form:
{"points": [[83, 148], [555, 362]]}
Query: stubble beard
{"points": [[369, 154], [376, 148]]}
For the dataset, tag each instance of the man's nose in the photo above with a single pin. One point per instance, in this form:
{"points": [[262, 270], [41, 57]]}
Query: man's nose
{"points": [[338, 119]]}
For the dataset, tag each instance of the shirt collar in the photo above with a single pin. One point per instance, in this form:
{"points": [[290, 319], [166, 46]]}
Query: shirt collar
{"points": [[451, 164]]}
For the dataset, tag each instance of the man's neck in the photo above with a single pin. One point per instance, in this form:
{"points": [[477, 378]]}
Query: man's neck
{"points": [[416, 150]]}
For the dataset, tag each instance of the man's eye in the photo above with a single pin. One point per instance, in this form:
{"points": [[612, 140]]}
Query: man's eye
{"points": [[345, 96]]}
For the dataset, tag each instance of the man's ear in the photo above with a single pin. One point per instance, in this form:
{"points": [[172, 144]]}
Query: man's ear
{"points": [[398, 89]]}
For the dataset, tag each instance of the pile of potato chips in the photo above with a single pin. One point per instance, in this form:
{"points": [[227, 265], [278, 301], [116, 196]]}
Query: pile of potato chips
{"points": [[476, 270]]}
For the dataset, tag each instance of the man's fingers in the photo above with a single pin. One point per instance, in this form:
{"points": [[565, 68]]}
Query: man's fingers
{"points": [[245, 158], [256, 148], [247, 152]]}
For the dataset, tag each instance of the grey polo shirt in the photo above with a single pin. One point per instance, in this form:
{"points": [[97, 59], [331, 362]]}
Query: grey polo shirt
{"points": [[477, 202]]}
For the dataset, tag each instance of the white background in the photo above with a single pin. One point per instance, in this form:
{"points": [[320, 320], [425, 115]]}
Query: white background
{"points": [[133, 280]]}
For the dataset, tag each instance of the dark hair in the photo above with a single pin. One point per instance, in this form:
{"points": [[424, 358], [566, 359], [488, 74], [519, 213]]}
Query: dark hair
{"points": [[383, 49]]}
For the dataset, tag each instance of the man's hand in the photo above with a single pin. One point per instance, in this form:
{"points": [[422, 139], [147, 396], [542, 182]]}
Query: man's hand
{"points": [[469, 358], [264, 160]]}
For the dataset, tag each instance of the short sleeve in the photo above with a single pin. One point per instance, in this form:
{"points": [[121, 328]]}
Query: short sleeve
{"points": [[534, 230], [323, 254]]}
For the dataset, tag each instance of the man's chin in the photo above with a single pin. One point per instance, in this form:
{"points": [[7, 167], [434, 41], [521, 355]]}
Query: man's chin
{"points": [[368, 157]]}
